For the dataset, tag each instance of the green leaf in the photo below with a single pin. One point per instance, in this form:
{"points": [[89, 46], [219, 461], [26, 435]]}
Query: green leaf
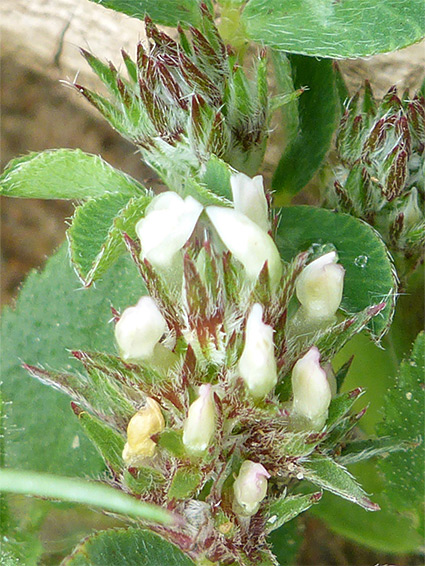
{"points": [[385, 531], [318, 109], [163, 12], [216, 178], [333, 477], [108, 441], [325, 28], [64, 174], [184, 484], [369, 274], [144, 479], [404, 409], [359, 450], [96, 233], [127, 548], [287, 508], [341, 405], [53, 314], [204, 194], [172, 441], [80, 491], [286, 542]]}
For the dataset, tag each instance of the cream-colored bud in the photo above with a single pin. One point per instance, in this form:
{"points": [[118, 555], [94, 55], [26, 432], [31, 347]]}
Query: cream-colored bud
{"points": [[311, 390], [144, 424], [251, 245], [167, 225], [139, 330], [199, 426], [249, 198], [319, 287], [257, 364], [250, 487]]}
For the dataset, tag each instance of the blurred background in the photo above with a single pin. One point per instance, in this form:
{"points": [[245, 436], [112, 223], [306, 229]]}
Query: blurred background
{"points": [[40, 41]]}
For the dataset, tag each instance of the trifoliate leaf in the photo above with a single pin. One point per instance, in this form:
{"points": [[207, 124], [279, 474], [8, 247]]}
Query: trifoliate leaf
{"points": [[65, 174]]}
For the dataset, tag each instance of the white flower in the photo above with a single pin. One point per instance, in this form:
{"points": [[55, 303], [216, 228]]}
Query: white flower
{"points": [[319, 287], [251, 245], [167, 225], [250, 487], [249, 198], [257, 364], [144, 424], [311, 389], [199, 426], [139, 330]]}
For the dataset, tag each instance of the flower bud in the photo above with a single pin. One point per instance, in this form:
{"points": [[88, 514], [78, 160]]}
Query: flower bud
{"points": [[319, 287], [250, 487], [251, 245], [144, 424], [139, 330], [311, 389], [249, 198], [199, 426], [257, 364], [167, 225]]}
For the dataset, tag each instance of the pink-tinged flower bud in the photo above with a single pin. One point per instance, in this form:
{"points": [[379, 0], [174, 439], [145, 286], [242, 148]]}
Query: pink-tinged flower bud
{"points": [[249, 198], [166, 227], [257, 364], [144, 424], [139, 330], [250, 488], [251, 245], [311, 390], [199, 426], [319, 287]]}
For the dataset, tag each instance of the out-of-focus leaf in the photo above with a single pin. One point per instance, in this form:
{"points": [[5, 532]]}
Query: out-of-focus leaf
{"points": [[52, 315], [81, 491], [404, 410], [384, 531], [286, 542]]}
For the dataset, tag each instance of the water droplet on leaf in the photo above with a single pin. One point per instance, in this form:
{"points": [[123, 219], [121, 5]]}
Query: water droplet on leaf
{"points": [[361, 261]]}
